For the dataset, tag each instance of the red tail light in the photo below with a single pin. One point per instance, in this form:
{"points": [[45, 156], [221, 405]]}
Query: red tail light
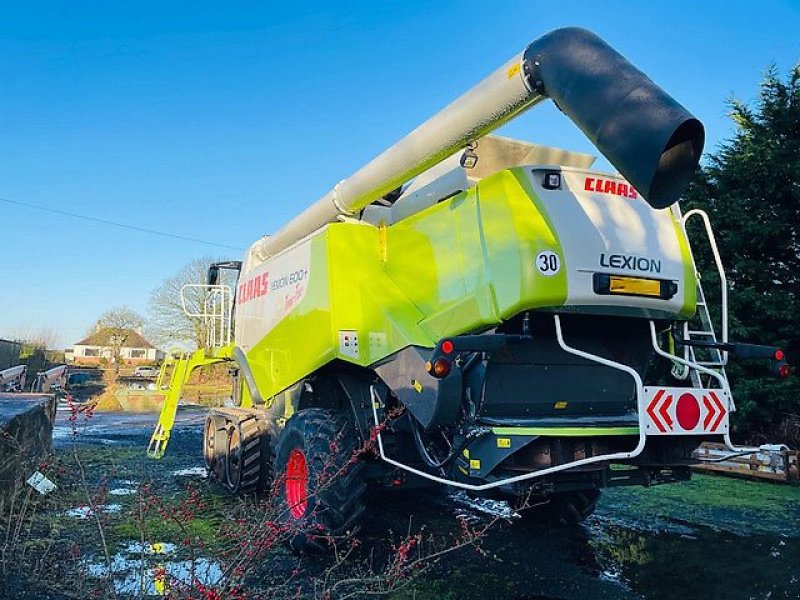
{"points": [[779, 355], [447, 346], [784, 371]]}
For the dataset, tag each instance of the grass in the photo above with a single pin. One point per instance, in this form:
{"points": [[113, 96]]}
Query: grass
{"points": [[713, 500], [203, 528]]}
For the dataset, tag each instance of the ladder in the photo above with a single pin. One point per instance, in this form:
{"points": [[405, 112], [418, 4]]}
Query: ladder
{"points": [[701, 327], [214, 305], [183, 364]]}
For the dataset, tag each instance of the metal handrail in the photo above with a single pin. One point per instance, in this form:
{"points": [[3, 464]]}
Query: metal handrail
{"points": [[217, 312], [688, 363], [718, 376], [720, 269]]}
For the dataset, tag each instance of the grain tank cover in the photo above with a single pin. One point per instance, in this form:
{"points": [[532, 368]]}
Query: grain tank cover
{"points": [[496, 153]]}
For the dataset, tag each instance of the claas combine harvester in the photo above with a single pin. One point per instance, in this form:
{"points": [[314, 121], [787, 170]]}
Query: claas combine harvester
{"points": [[481, 312]]}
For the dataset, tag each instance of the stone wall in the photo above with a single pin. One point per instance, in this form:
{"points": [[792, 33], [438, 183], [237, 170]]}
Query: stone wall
{"points": [[26, 435]]}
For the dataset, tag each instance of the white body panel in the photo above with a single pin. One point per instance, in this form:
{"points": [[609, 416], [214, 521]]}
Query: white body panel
{"points": [[269, 291], [618, 234]]}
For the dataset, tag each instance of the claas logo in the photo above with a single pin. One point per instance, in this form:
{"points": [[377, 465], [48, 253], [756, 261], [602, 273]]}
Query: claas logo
{"points": [[609, 186], [253, 288]]}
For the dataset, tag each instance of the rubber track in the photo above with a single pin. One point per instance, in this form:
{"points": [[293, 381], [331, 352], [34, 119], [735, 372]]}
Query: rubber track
{"points": [[252, 455], [256, 457]]}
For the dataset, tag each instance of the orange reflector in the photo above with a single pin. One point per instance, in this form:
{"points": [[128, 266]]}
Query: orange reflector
{"points": [[634, 286], [441, 368]]}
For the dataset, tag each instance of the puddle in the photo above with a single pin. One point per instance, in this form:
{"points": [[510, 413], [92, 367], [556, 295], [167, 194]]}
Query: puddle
{"points": [[80, 432], [474, 510], [601, 521], [64, 433], [711, 561], [140, 576], [164, 548], [84, 512], [191, 472], [711, 539]]}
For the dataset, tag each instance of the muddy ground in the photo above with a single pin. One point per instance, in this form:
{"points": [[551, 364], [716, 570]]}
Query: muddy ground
{"points": [[712, 537]]}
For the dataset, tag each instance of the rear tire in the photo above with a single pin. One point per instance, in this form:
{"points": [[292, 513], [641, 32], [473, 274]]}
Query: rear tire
{"points": [[320, 488]]}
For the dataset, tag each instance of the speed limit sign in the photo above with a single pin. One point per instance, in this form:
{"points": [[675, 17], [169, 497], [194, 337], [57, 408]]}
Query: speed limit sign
{"points": [[548, 263]]}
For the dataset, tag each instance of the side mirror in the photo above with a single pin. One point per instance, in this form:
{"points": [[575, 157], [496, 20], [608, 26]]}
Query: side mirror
{"points": [[213, 275]]}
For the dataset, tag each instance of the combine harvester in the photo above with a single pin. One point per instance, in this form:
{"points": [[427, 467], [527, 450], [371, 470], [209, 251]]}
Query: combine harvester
{"points": [[498, 317]]}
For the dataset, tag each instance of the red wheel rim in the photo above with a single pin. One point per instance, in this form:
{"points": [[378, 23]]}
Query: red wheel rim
{"points": [[297, 483]]}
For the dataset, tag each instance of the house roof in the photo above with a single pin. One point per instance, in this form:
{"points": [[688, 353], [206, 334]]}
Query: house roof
{"points": [[102, 337]]}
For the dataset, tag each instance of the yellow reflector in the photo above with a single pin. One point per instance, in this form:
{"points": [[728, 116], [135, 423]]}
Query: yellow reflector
{"points": [[504, 442], [475, 464], [635, 285]]}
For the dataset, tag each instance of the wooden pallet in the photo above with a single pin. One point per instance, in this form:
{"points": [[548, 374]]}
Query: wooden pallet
{"points": [[776, 463]]}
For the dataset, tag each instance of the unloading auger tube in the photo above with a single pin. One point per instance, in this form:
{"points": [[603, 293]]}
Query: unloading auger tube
{"points": [[652, 140]]}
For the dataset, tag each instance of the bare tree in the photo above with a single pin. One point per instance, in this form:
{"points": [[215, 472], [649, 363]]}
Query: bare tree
{"points": [[44, 336], [119, 322], [168, 321]]}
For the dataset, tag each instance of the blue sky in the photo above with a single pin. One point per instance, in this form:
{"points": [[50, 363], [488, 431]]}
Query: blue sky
{"points": [[220, 120]]}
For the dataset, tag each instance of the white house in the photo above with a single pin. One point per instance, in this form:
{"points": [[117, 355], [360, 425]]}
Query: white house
{"points": [[100, 345]]}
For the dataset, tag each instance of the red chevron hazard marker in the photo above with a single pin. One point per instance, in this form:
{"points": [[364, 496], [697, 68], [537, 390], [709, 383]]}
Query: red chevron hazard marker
{"points": [[722, 411], [663, 411], [710, 412], [685, 411], [651, 410]]}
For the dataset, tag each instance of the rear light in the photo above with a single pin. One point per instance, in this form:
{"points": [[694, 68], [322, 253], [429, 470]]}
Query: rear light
{"points": [[440, 368], [447, 346], [779, 355], [784, 371], [552, 180]]}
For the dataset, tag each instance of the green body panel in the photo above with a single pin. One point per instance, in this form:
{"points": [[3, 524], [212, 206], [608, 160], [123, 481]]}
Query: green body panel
{"points": [[689, 291], [466, 263], [566, 431], [302, 342]]}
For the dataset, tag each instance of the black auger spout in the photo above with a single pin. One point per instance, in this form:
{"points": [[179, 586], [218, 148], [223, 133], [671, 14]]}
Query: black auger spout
{"points": [[645, 133]]}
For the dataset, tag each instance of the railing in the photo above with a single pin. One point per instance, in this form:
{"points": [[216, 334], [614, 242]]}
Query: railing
{"points": [[214, 305], [377, 402], [712, 240]]}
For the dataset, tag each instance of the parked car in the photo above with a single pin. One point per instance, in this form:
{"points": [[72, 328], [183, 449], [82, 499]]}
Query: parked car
{"points": [[145, 372], [76, 380]]}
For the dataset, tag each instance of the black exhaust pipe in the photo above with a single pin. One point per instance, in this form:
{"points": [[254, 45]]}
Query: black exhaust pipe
{"points": [[654, 141]]}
